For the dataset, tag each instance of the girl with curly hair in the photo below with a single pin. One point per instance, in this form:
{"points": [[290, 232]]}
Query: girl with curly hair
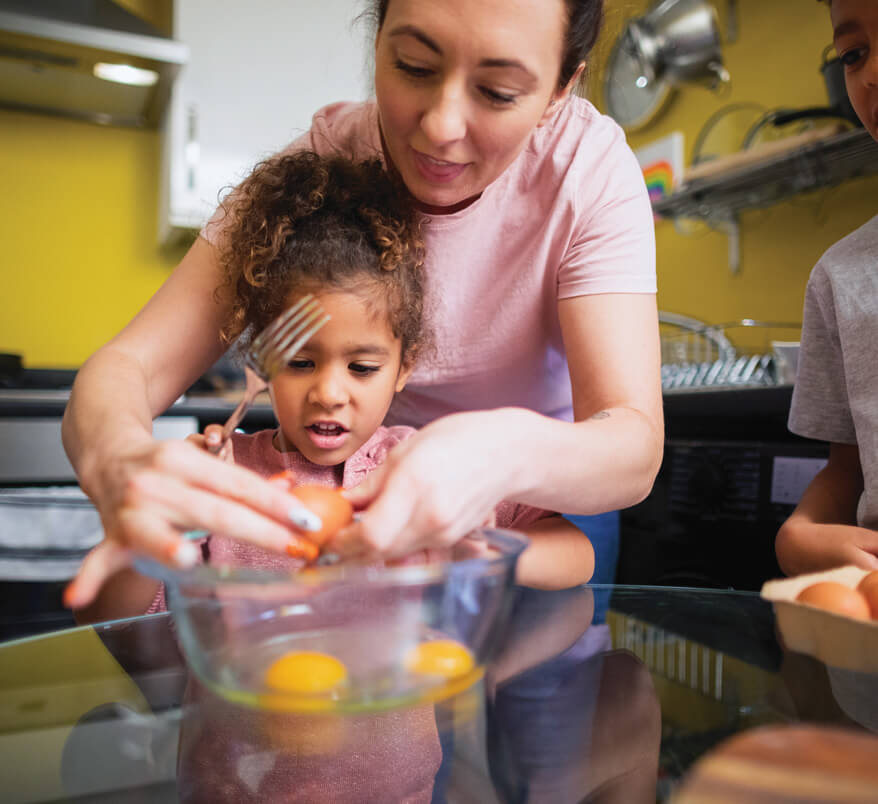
{"points": [[347, 233]]}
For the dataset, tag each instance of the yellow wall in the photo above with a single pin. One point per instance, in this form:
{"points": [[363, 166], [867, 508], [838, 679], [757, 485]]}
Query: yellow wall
{"points": [[78, 204], [78, 215], [774, 62]]}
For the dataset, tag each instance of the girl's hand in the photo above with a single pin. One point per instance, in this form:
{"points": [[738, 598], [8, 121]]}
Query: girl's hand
{"points": [[151, 493], [432, 489]]}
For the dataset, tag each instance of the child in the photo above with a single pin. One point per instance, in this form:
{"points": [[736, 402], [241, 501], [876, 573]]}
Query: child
{"points": [[344, 232], [836, 521]]}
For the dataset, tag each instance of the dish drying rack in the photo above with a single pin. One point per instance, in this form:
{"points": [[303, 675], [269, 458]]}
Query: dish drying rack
{"points": [[701, 356]]}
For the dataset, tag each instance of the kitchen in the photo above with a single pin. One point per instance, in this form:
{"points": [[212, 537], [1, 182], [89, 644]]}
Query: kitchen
{"points": [[82, 247]]}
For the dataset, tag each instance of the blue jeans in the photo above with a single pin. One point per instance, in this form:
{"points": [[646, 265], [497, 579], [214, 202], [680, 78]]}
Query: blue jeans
{"points": [[603, 532]]}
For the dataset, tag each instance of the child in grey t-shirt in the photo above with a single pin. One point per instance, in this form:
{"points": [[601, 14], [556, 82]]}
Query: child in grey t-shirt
{"points": [[836, 393]]}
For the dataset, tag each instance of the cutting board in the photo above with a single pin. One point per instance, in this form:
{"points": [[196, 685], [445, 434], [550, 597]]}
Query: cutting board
{"points": [[786, 765]]}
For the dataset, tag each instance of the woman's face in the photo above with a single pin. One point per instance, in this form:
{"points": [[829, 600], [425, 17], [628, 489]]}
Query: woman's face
{"points": [[855, 34], [460, 85]]}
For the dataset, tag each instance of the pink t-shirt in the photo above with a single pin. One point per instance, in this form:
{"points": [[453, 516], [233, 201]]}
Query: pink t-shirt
{"points": [[230, 753], [569, 217]]}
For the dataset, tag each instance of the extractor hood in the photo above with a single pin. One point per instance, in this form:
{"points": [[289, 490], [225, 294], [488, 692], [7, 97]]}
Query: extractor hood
{"points": [[89, 59]]}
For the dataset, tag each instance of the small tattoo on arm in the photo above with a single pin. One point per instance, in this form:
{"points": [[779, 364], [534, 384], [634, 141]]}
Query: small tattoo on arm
{"points": [[601, 414]]}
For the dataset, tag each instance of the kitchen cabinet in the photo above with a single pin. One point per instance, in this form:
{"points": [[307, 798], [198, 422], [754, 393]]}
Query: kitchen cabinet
{"points": [[257, 72]]}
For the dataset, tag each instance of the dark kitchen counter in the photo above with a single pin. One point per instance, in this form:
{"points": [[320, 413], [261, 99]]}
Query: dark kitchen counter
{"points": [[755, 414], [736, 403], [733, 413], [207, 408]]}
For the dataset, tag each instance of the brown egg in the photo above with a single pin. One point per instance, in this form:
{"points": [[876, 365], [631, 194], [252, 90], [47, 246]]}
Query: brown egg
{"points": [[333, 509], [837, 598], [869, 579], [868, 588]]}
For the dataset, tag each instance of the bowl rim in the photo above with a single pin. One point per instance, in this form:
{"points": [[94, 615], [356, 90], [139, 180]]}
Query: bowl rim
{"points": [[511, 543]]}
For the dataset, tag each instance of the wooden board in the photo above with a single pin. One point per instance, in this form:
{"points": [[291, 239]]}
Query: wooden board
{"points": [[786, 765]]}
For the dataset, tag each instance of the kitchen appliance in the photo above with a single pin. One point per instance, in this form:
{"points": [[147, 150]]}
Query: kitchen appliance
{"points": [[380, 626], [715, 509], [89, 59], [676, 42]]}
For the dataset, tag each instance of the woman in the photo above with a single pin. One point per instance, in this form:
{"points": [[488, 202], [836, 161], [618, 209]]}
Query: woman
{"points": [[545, 389]]}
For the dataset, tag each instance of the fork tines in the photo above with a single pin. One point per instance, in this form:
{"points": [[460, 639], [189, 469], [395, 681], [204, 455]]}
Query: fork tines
{"points": [[283, 338]]}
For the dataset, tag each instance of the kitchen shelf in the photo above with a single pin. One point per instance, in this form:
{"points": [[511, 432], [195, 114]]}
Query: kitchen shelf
{"points": [[719, 199]]}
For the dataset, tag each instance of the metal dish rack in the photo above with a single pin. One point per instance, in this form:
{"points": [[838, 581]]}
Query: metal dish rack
{"points": [[701, 356], [720, 199]]}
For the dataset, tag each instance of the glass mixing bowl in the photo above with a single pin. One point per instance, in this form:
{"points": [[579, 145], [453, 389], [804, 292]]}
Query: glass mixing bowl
{"points": [[345, 638]]}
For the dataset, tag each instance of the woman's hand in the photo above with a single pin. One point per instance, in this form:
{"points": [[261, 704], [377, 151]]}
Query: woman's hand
{"points": [[151, 493], [432, 489]]}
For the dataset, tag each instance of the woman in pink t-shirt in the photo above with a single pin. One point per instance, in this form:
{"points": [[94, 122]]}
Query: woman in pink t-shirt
{"points": [[541, 280]]}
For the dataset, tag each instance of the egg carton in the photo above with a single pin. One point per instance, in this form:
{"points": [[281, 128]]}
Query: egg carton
{"points": [[836, 640]]}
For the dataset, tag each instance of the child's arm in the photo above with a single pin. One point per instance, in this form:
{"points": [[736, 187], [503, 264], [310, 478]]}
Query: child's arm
{"points": [[559, 556], [822, 532]]}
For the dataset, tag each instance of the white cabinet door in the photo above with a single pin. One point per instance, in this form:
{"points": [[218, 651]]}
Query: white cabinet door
{"points": [[257, 72]]}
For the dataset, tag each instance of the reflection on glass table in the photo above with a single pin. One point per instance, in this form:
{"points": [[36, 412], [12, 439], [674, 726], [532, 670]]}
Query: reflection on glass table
{"points": [[569, 710]]}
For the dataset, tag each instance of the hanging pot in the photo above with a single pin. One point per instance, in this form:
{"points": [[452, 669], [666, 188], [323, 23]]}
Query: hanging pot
{"points": [[679, 41]]}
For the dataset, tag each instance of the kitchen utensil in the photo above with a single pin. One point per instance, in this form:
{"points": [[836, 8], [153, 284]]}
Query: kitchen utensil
{"points": [[269, 352], [678, 41], [675, 42], [233, 623], [700, 355]]}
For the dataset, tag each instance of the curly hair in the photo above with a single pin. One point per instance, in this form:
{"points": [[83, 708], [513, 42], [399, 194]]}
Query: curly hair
{"points": [[304, 222]]}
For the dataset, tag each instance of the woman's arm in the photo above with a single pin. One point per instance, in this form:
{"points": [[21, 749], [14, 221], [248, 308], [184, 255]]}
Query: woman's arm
{"points": [[822, 532], [444, 481], [149, 492]]}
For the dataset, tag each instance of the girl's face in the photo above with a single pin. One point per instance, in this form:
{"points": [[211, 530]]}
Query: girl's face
{"points": [[335, 392], [460, 85], [855, 33]]}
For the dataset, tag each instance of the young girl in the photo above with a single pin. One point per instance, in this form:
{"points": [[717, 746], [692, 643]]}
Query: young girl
{"points": [[344, 232], [348, 234]]}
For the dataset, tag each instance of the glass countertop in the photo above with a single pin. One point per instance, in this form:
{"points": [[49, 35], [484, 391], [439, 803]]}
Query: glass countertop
{"points": [[611, 692]]}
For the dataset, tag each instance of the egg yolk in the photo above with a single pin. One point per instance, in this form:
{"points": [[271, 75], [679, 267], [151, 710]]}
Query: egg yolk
{"points": [[441, 657], [305, 672]]}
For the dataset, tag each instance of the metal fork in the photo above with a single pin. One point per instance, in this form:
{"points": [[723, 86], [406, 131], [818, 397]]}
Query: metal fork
{"points": [[271, 350]]}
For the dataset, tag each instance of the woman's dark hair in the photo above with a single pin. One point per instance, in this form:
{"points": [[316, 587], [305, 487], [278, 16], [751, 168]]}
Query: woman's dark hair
{"points": [[584, 20], [309, 223]]}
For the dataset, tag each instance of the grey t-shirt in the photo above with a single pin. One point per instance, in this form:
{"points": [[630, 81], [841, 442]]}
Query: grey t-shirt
{"points": [[836, 393]]}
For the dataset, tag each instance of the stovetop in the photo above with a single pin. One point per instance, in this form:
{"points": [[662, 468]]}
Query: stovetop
{"points": [[38, 379]]}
